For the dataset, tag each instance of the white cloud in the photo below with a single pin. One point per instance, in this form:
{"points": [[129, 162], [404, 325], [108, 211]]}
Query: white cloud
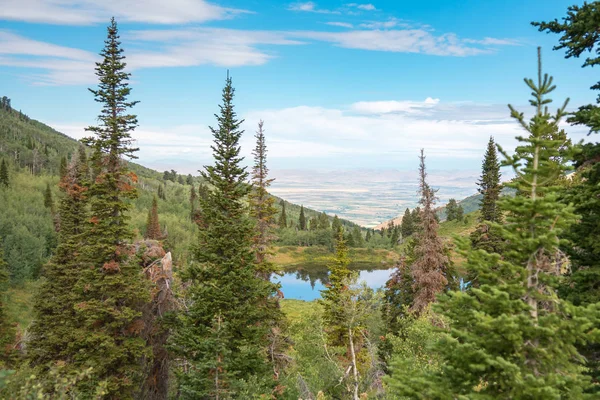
{"points": [[494, 42], [310, 6], [340, 24], [393, 106], [366, 7], [86, 12], [390, 23], [402, 41]]}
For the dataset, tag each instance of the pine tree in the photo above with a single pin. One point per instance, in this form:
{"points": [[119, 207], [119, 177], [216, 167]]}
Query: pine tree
{"points": [[262, 207], [189, 180], [152, 226], [7, 332], [407, 226], [416, 218], [48, 200], [512, 337], [430, 271], [224, 332], [53, 334], [339, 276], [112, 286], [282, 216], [368, 236], [484, 236], [579, 30], [357, 237], [4, 178], [63, 166], [302, 220], [451, 210], [395, 237]]}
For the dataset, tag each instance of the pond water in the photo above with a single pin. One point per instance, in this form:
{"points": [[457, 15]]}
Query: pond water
{"points": [[306, 282]]}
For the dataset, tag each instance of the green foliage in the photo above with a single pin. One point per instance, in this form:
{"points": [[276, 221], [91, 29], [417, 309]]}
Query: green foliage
{"points": [[282, 216], [407, 227], [512, 337], [152, 224], [4, 177], [223, 333], [451, 210], [302, 219], [7, 332], [579, 30]]}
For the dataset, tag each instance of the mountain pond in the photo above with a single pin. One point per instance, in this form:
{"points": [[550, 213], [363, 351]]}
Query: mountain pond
{"points": [[305, 282]]}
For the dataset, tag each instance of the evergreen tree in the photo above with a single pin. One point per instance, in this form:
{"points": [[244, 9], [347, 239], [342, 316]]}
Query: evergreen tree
{"points": [[180, 180], [112, 286], [262, 207], [416, 218], [302, 220], [203, 191], [407, 226], [189, 180], [579, 30], [48, 200], [339, 276], [282, 222], [193, 200], [4, 178], [63, 166], [430, 271], [395, 237], [451, 210], [485, 236], [53, 334], [152, 225], [512, 337], [368, 236], [223, 333], [161, 192]]}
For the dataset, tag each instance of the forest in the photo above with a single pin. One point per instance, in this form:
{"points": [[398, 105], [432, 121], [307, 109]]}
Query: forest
{"points": [[121, 282]]}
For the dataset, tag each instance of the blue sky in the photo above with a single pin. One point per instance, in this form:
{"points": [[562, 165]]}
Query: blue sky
{"points": [[340, 85]]}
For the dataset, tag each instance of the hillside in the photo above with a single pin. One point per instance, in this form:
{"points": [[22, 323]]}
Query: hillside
{"points": [[34, 151]]}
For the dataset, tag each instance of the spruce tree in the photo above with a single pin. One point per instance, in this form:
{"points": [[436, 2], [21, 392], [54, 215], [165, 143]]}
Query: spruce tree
{"points": [[4, 178], [53, 334], [302, 220], [63, 166], [368, 236], [48, 200], [262, 207], [339, 276], [189, 180], [512, 337], [485, 236], [224, 332], [407, 226], [282, 216], [431, 269], [112, 287], [579, 30], [152, 225]]}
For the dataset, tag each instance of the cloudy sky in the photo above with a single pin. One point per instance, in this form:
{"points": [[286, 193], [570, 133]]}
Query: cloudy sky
{"points": [[339, 85]]}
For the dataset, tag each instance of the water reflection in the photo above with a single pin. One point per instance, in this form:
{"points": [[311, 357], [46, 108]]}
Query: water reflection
{"points": [[306, 282]]}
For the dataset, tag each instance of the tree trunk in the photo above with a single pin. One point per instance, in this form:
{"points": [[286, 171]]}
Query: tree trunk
{"points": [[354, 370]]}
